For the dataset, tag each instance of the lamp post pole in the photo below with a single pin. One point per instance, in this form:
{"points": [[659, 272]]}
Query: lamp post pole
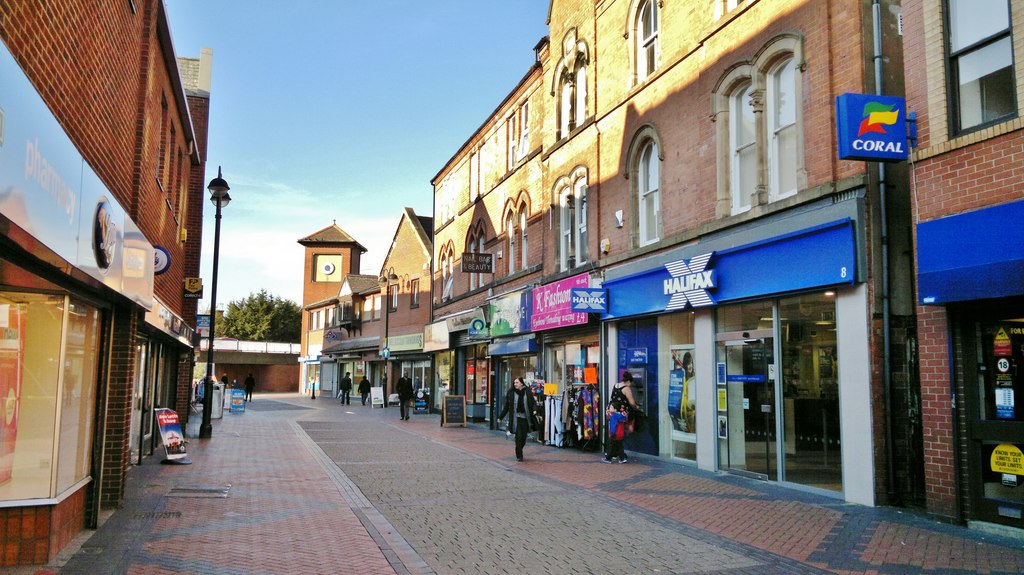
{"points": [[220, 198]]}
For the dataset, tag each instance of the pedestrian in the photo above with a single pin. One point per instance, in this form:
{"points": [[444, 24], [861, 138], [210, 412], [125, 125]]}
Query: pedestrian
{"points": [[364, 388], [623, 400], [616, 434], [404, 396], [520, 405], [345, 389], [250, 385]]}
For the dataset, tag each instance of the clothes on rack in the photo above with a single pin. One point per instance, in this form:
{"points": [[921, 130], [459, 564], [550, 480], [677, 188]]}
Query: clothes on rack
{"points": [[554, 426]]}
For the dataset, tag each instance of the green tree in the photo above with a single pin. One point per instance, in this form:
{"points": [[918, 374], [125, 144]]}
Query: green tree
{"points": [[261, 317]]}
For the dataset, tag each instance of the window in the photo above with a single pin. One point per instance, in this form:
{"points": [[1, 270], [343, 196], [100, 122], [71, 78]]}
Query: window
{"points": [[376, 306], [981, 63], [524, 130], [649, 202], [646, 35], [572, 204], [512, 133], [523, 239], [414, 293], [511, 232], [781, 131], [743, 158], [447, 278], [476, 245], [757, 109], [161, 160], [569, 85], [392, 298]]}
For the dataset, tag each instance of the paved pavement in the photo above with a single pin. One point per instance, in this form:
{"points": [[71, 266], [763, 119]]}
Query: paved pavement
{"points": [[296, 486]]}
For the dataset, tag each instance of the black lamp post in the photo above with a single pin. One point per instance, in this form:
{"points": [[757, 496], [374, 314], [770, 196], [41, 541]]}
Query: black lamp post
{"points": [[220, 198], [387, 345]]}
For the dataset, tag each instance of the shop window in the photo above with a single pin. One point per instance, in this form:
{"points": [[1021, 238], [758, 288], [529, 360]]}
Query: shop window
{"points": [[33, 379], [980, 53]]}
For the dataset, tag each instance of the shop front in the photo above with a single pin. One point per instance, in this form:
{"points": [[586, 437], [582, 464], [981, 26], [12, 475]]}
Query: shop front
{"points": [[462, 366], [356, 356], [513, 350], [972, 265], [571, 365], [753, 357], [75, 274], [408, 357]]}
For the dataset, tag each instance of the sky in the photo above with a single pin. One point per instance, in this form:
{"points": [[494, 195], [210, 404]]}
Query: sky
{"points": [[339, 110]]}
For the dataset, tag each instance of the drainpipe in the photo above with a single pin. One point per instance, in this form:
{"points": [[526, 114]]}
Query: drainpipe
{"points": [[876, 23]]}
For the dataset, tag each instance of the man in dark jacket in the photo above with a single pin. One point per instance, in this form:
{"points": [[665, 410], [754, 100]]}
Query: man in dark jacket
{"points": [[404, 396], [364, 388], [345, 389], [520, 405]]}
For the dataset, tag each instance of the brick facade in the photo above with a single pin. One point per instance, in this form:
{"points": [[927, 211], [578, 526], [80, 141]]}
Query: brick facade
{"points": [[121, 104], [678, 105]]}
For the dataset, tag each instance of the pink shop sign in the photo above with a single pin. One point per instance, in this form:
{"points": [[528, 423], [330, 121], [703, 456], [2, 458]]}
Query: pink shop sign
{"points": [[552, 307]]}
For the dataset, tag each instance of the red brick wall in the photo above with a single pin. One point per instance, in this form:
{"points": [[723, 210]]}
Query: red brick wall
{"points": [[269, 378], [34, 535]]}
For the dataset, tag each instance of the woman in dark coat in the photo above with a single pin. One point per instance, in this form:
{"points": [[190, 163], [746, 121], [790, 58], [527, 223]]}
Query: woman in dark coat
{"points": [[520, 405]]}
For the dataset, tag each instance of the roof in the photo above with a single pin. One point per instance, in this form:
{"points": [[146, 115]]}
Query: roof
{"points": [[332, 234], [360, 283], [422, 226]]}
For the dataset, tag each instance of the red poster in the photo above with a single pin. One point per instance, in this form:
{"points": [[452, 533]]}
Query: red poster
{"points": [[12, 348]]}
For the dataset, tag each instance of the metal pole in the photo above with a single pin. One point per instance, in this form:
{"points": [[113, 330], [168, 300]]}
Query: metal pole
{"points": [[206, 428]]}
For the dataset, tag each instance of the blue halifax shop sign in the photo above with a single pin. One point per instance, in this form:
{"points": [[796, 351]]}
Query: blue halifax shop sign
{"points": [[819, 256]]}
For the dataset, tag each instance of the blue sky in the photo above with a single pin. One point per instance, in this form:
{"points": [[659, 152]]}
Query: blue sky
{"points": [[342, 110]]}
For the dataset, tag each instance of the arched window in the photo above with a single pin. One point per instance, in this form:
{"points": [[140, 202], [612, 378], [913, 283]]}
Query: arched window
{"points": [[569, 85], [743, 155], [649, 193], [782, 153], [646, 38], [475, 245], [758, 117], [572, 202], [447, 278], [523, 240], [511, 231]]}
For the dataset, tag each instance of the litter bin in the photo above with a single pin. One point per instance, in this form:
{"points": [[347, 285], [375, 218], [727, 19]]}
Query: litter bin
{"points": [[218, 401]]}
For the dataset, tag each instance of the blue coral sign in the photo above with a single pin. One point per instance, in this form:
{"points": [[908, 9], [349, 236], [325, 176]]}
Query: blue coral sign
{"points": [[872, 128]]}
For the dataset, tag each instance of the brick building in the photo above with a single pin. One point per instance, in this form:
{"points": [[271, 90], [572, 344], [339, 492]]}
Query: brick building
{"points": [[965, 80], [331, 256], [103, 165], [684, 160]]}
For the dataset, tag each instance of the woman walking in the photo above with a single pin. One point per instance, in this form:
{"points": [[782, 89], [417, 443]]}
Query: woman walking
{"points": [[520, 406]]}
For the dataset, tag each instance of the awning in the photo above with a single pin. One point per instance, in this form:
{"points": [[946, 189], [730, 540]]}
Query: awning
{"points": [[353, 345], [977, 255]]}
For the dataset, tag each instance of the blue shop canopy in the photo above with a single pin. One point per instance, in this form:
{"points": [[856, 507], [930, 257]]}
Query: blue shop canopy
{"points": [[977, 255], [819, 256]]}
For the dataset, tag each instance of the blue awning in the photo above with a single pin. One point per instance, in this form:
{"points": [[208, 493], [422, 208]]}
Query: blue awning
{"points": [[977, 255]]}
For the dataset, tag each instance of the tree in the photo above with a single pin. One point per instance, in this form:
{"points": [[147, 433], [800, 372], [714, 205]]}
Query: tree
{"points": [[261, 317]]}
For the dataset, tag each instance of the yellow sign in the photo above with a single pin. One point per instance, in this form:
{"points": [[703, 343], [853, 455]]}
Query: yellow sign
{"points": [[193, 288], [723, 404], [550, 389], [1002, 343], [1006, 458]]}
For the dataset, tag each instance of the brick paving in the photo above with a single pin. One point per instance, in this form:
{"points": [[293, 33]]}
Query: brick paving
{"points": [[299, 486]]}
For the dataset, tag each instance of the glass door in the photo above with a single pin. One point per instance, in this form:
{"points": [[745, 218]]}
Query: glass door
{"points": [[747, 424], [996, 430]]}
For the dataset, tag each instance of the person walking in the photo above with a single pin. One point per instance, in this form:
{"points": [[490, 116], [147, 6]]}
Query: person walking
{"points": [[250, 385], [364, 389], [345, 389], [520, 406], [404, 396]]}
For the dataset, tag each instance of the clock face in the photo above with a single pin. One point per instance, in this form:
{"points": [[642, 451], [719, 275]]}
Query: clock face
{"points": [[328, 268]]}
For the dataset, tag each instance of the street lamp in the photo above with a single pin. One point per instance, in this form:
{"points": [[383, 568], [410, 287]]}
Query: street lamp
{"points": [[386, 352], [219, 197]]}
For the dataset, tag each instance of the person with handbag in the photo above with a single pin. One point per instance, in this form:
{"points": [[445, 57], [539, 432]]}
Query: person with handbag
{"points": [[520, 406], [623, 399]]}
